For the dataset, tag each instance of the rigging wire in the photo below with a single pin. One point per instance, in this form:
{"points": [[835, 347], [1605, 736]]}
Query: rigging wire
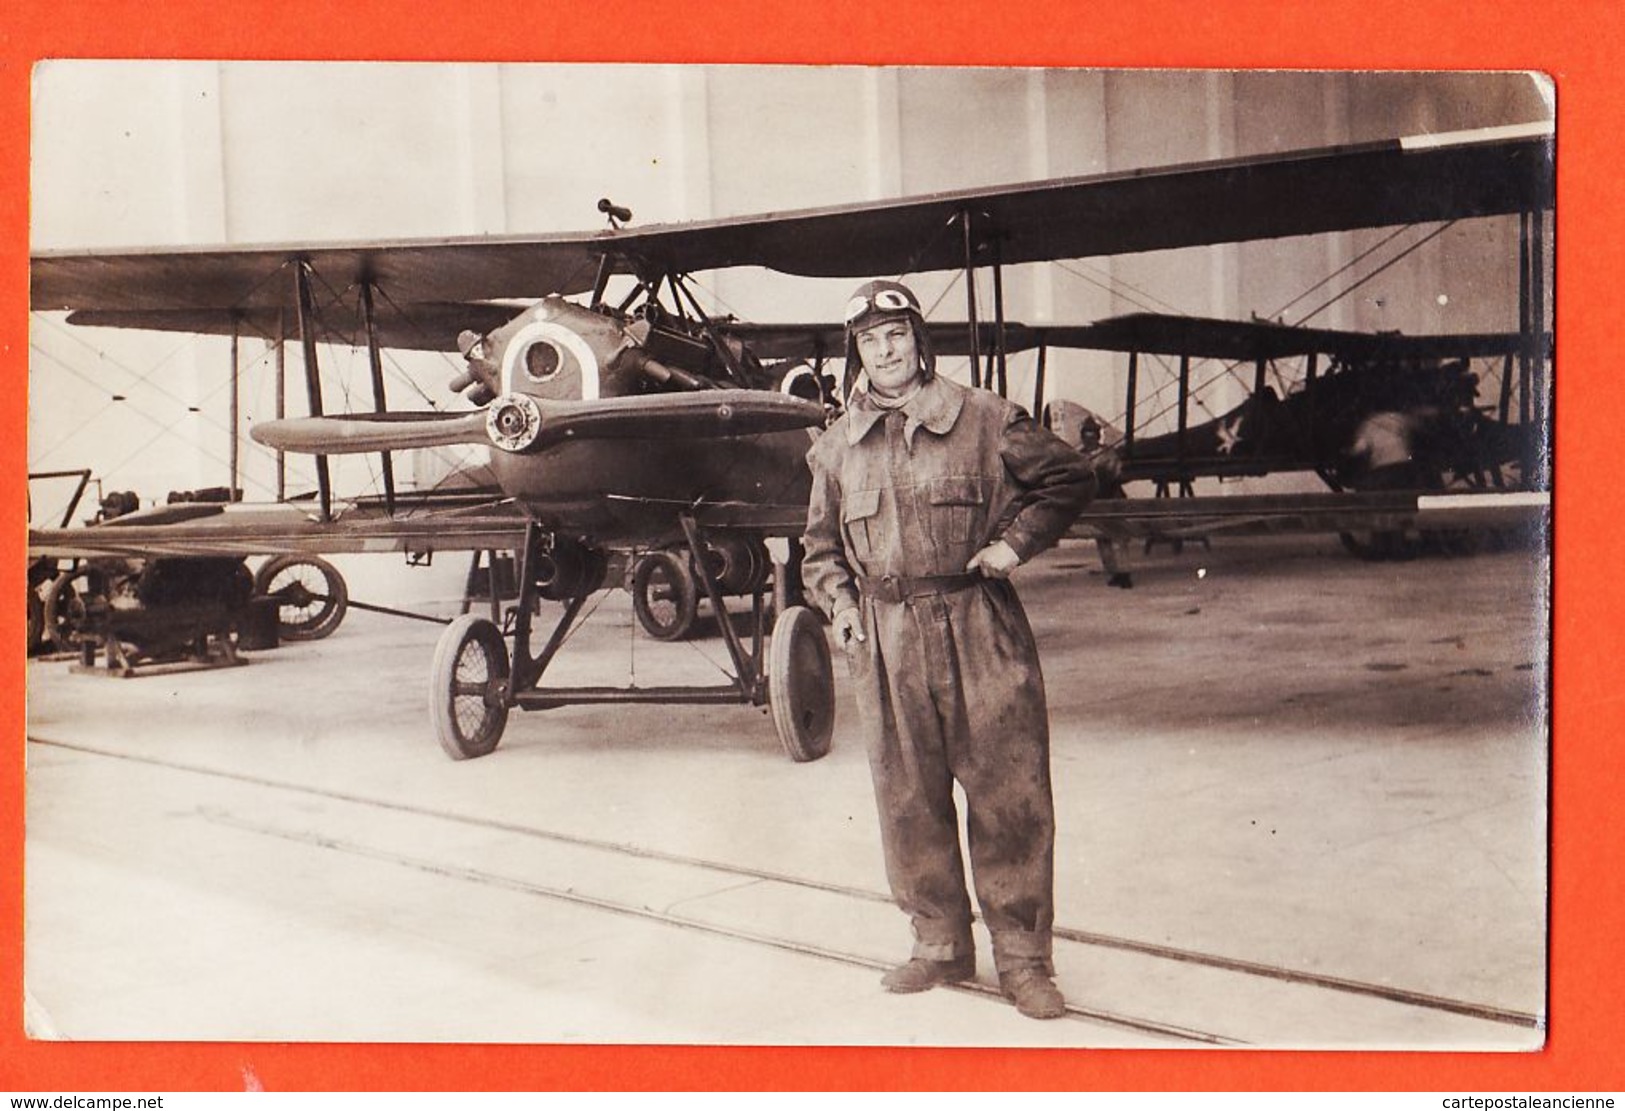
{"points": [[444, 356], [1230, 368], [930, 241], [146, 379], [952, 284], [164, 429], [1434, 234], [1118, 288], [728, 310], [138, 378], [350, 342], [195, 408], [322, 313], [1347, 266], [582, 619]]}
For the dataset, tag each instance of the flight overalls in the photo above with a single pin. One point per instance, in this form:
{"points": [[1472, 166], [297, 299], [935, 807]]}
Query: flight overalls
{"points": [[948, 682]]}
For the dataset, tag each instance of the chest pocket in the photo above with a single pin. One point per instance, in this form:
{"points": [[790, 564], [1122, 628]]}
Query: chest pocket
{"points": [[865, 532], [958, 509]]}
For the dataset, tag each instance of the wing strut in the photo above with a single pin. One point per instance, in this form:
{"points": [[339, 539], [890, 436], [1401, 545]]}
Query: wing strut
{"points": [[281, 400], [375, 360], [1526, 310], [1532, 369], [1184, 413], [735, 367], [1504, 409], [998, 317], [1132, 391], [313, 381], [1038, 380], [970, 300], [236, 407], [601, 282], [1311, 402]]}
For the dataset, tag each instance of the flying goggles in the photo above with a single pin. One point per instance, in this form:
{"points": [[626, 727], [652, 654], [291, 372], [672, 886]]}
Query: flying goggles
{"points": [[881, 300]]}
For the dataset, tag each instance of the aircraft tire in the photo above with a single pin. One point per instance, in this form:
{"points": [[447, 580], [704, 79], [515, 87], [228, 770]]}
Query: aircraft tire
{"points": [[467, 687], [306, 609], [36, 622], [801, 684], [664, 595]]}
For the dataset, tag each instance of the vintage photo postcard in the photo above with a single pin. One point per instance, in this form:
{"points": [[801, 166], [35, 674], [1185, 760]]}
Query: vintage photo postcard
{"points": [[709, 555]]}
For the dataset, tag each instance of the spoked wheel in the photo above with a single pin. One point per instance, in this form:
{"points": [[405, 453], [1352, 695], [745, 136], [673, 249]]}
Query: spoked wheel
{"points": [[36, 621], [68, 603], [310, 594], [664, 595], [801, 684], [468, 687]]}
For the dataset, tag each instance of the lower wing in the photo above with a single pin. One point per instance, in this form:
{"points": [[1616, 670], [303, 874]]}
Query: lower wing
{"points": [[247, 530], [1182, 518]]}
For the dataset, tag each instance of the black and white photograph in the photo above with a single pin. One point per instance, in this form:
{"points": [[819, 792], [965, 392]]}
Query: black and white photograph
{"points": [[745, 555]]}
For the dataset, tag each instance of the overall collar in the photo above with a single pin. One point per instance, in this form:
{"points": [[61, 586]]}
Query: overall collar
{"points": [[935, 407]]}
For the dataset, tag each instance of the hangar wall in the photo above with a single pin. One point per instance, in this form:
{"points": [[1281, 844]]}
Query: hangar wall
{"points": [[149, 153]]}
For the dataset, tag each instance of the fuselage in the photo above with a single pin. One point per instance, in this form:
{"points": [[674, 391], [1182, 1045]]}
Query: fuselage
{"points": [[629, 489]]}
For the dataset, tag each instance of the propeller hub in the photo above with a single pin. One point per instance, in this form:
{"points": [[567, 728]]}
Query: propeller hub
{"points": [[513, 422]]}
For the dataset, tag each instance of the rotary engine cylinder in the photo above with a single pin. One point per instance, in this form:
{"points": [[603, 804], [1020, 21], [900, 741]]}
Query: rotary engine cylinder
{"points": [[569, 569]]}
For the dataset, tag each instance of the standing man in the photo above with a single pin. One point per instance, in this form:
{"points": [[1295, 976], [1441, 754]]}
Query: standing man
{"points": [[1099, 442], [925, 496], [1101, 446]]}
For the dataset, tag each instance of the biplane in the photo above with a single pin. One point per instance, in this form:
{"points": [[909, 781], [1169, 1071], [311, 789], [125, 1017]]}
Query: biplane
{"points": [[1399, 429], [1310, 395], [627, 420], [1321, 415]]}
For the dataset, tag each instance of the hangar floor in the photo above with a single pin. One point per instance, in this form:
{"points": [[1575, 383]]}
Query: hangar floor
{"points": [[1302, 802]]}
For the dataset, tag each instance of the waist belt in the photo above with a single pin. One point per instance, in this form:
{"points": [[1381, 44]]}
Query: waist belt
{"points": [[896, 588]]}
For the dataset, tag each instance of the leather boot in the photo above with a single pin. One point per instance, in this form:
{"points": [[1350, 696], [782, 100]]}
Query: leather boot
{"points": [[920, 974], [1033, 992]]}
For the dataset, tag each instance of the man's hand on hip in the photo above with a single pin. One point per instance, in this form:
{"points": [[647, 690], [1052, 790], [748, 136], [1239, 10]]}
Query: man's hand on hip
{"points": [[848, 626], [995, 561]]}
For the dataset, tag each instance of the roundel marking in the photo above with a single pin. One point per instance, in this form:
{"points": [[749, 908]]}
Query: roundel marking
{"points": [[559, 336], [788, 386]]}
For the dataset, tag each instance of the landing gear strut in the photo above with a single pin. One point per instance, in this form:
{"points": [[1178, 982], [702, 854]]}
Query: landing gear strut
{"points": [[477, 680]]}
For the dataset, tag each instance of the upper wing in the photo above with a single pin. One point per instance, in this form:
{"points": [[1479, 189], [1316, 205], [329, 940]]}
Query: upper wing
{"points": [[1398, 181], [262, 277]]}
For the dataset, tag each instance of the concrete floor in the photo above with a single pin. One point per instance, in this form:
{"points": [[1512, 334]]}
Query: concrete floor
{"points": [[1302, 802]]}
